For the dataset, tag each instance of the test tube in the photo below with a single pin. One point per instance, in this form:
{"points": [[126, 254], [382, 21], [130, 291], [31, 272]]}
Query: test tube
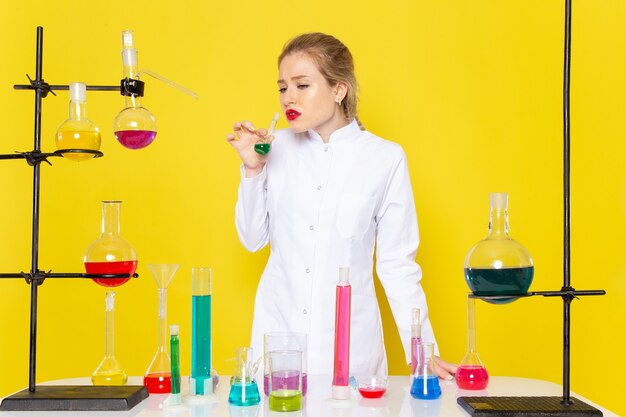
{"points": [[341, 388]]}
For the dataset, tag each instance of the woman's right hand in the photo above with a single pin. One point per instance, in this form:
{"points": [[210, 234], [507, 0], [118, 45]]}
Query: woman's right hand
{"points": [[243, 140]]}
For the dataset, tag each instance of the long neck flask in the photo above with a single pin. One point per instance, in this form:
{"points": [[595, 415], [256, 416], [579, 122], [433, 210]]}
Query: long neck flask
{"points": [[498, 265], [109, 372], [201, 382], [134, 127], [341, 369], [110, 253], [416, 338], [157, 378], [78, 132], [471, 374]]}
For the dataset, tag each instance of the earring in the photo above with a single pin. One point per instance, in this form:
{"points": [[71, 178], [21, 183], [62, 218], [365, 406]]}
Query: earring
{"points": [[339, 102]]}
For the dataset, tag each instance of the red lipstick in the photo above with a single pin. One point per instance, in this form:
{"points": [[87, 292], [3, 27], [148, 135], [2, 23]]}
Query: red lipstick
{"points": [[292, 114]]}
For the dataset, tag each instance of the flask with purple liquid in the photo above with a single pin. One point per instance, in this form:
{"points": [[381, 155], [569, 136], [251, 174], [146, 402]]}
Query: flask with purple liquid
{"points": [[134, 127]]}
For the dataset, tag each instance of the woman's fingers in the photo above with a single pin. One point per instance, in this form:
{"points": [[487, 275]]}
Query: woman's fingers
{"points": [[444, 369]]}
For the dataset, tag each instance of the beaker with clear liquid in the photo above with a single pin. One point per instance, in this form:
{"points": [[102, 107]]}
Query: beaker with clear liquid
{"points": [[425, 385], [244, 390], [471, 374], [157, 378], [498, 265]]}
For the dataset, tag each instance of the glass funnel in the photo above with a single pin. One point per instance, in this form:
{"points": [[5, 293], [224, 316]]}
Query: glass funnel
{"points": [[471, 374], [499, 265], [109, 372], [134, 127], [110, 253], [78, 132], [158, 376]]}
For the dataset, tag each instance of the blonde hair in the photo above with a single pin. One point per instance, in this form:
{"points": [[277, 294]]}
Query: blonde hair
{"points": [[334, 61]]}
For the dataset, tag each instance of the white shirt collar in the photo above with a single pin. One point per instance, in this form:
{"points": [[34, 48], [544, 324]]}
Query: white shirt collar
{"points": [[350, 130]]}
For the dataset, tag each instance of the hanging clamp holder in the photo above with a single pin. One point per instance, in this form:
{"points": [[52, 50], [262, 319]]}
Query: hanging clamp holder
{"points": [[41, 86], [131, 87]]}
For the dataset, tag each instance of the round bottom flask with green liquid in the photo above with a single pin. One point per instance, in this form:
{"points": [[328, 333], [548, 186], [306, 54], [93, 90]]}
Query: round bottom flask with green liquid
{"points": [[499, 266]]}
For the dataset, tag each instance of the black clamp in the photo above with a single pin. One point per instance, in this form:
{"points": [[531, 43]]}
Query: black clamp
{"points": [[569, 294], [35, 157], [131, 87], [41, 86], [38, 277]]}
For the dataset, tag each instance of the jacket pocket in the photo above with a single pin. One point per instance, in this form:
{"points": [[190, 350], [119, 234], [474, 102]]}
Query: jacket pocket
{"points": [[354, 215]]}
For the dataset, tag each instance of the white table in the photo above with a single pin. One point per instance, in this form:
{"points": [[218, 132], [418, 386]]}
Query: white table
{"points": [[397, 401]]}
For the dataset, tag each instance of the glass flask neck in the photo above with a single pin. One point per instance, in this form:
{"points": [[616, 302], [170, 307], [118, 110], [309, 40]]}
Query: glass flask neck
{"points": [[132, 101], [162, 331], [471, 324], [498, 223], [111, 218], [78, 109], [110, 325]]}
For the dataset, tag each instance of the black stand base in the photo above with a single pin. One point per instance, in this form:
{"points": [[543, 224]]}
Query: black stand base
{"points": [[525, 406], [76, 398]]}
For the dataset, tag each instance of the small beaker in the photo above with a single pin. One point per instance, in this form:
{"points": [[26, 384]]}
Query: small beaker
{"points": [[243, 387], [425, 384], [284, 341], [285, 385]]}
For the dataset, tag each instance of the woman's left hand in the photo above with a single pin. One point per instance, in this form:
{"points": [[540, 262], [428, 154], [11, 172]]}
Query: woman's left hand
{"points": [[445, 370]]}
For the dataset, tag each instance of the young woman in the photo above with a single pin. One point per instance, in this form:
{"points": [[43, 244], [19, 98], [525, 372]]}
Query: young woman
{"points": [[325, 197]]}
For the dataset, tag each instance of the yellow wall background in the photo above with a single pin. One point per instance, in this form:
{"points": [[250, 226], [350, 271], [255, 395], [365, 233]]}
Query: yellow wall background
{"points": [[472, 91]]}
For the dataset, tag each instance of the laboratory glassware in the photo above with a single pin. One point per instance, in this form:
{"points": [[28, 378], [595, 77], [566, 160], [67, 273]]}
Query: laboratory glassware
{"points": [[341, 387], [110, 253], [109, 372], [157, 378], [416, 337], [244, 390], [285, 393], [372, 386], [134, 127], [200, 382], [498, 265], [471, 374], [263, 146], [285, 341], [78, 132], [175, 365], [425, 385]]}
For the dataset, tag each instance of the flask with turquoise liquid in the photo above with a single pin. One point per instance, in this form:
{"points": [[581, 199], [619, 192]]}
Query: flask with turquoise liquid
{"points": [[499, 265]]}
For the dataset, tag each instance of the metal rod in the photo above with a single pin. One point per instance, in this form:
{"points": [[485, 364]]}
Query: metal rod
{"points": [[566, 202], [34, 284], [67, 87]]}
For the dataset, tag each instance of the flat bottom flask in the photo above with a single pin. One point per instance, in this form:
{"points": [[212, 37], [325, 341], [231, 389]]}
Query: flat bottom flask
{"points": [[471, 374], [109, 372]]}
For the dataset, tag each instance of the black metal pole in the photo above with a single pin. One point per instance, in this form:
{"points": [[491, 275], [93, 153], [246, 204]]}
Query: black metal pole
{"points": [[566, 202], [34, 269]]}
